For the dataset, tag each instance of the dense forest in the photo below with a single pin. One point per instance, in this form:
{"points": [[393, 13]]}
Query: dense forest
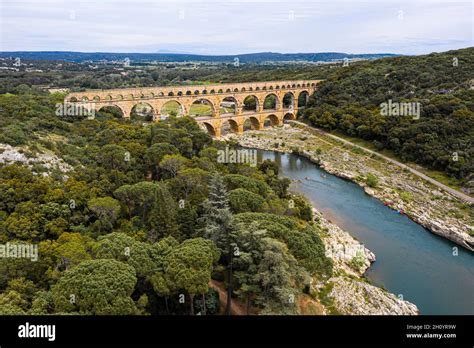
{"points": [[143, 219], [442, 83]]}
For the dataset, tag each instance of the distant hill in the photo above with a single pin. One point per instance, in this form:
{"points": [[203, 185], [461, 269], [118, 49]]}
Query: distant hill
{"points": [[179, 57]]}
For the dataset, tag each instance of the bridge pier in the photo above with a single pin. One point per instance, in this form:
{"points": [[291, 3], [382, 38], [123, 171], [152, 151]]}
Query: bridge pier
{"points": [[217, 132]]}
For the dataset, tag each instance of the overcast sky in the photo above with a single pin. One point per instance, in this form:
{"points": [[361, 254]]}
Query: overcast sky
{"points": [[236, 26]]}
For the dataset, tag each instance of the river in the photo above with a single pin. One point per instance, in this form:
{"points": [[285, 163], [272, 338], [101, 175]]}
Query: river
{"points": [[411, 261]]}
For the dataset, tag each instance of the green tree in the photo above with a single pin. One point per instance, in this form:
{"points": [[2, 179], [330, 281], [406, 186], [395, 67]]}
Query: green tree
{"points": [[155, 154], [242, 200], [162, 219], [219, 225], [114, 157], [96, 287], [326, 120], [172, 164], [189, 267], [106, 209], [120, 247]]}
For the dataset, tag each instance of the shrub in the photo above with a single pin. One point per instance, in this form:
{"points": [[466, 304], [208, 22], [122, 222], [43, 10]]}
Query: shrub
{"points": [[371, 180]]}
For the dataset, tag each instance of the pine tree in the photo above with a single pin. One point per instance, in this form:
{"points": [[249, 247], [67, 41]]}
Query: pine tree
{"points": [[219, 225], [163, 213]]}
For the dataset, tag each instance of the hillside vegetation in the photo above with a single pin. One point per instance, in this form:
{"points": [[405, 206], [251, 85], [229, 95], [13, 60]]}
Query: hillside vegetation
{"points": [[443, 83], [143, 218]]}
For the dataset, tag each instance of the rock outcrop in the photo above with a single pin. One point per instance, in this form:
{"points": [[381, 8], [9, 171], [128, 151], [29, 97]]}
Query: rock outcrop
{"points": [[10, 154], [355, 297], [350, 292]]}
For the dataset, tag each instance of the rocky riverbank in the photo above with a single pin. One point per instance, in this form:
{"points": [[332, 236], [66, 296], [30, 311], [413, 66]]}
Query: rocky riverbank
{"points": [[436, 210], [348, 291]]}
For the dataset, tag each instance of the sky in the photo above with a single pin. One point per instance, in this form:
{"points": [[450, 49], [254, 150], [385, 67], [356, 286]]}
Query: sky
{"points": [[236, 26]]}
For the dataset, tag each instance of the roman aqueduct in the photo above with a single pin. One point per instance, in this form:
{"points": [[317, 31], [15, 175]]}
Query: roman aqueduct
{"points": [[227, 102]]}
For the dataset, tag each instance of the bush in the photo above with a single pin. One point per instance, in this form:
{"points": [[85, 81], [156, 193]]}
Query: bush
{"points": [[406, 196], [371, 180]]}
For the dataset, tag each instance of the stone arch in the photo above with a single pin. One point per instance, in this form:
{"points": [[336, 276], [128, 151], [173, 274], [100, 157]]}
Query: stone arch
{"points": [[220, 91], [243, 89], [228, 105], [84, 99], [142, 111], [73, 99], [251, 123], [236, 90], [212, 91], [189, 92], [228, 90], [288, 100], [180, 93], [229, 125], [196, 92], [170, 94], [271, 102], [204, 91], [303, 98], [289, 116], [250, 104], [119, 97], [271, 121], [103, 108], [257, 89], [209, 128], [96, 98], [202, 107], [108, 97], [171, 107]]}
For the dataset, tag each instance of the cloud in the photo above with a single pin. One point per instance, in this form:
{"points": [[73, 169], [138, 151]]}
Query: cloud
{"points": [[236, 26]]}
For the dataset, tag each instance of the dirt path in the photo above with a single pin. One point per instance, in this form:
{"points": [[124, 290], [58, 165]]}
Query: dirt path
{"points": [[236, 307], [442, 186]]}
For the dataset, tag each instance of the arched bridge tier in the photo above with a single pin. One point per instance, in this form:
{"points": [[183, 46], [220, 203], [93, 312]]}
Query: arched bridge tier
{"points": [[271, 101]]}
